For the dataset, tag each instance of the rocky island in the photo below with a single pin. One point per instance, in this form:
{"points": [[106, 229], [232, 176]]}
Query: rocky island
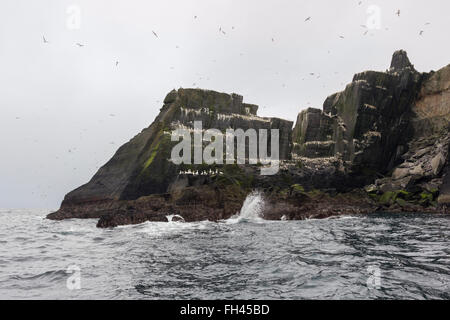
{"points": [[382, 144]]}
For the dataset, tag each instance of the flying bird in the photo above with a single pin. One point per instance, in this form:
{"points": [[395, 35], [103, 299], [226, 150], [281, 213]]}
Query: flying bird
{"points": [[45, 40], [308, 19], [398, 13], [421, 32], [195, 17], [342, 37], [155, 33], [80, 45], [117, 63]]}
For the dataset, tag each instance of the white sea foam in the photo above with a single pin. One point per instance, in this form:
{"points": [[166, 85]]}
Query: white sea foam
{"points": [[170, 218], [172, 227]]}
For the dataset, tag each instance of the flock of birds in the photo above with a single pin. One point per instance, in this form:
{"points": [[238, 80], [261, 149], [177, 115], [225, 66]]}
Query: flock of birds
{"points": [[221, 30]]}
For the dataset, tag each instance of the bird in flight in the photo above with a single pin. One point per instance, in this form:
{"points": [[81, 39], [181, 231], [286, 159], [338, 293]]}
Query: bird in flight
{"points": [[155, 33], [342, 37], [308, 19], [117, 63], [398, 12], [421, 32], [195, 17], [45, 40], [80, 45]]}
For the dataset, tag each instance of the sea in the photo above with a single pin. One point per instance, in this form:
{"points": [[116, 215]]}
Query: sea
{"points": [[374, 256]]}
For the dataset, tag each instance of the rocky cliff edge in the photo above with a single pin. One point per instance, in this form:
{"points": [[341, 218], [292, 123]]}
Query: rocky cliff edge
{"points": [[381, 144]]}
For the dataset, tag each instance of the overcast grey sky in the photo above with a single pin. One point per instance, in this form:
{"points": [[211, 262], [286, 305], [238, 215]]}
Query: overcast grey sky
{"points": [[57, 98]]}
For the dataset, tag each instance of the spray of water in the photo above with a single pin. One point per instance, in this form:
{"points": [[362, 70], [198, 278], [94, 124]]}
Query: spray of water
{"points": [[175, 218], [251, 209]]}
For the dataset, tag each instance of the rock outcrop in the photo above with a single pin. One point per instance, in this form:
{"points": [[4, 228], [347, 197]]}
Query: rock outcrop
{"points": [[367, 123], [381, 144], [423, 170]]}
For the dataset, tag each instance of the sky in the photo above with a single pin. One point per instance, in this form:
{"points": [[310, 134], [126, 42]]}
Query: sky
{"points": [[66, 105]]}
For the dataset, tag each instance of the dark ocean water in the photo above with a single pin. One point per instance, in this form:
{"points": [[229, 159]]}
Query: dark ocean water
{"points": [[242, 258]]}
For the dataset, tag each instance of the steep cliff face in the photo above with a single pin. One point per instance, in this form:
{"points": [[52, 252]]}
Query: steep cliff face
{"points": [[142, 167], [381, 144], [367, 123], [425, 167]]}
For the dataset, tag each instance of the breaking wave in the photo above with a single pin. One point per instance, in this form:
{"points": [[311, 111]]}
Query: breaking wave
{"points": [[252, 209]]}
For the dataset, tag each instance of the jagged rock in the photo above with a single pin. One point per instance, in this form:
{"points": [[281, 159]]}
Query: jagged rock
{"points": [[312, 134], [400, 62], [437, 163], [432, 116], [383, 122], [400, 173], [141, 167], [418, 171], [367, 124]]}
